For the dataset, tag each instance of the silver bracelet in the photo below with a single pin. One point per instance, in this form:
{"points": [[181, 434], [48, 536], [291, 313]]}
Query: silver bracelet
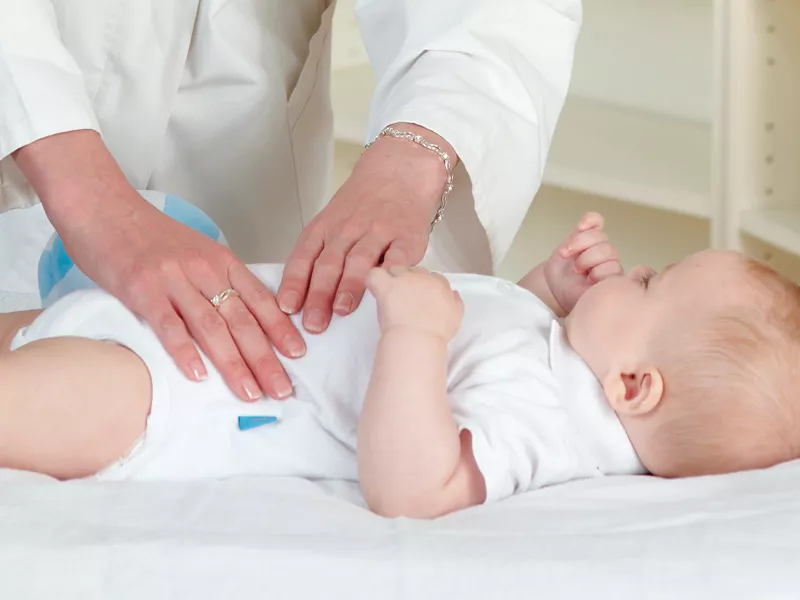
{"points": [[418, 139]]}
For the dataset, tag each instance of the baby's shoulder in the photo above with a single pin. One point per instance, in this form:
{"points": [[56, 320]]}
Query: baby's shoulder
{"points": [[495, 308], [499, 292]]}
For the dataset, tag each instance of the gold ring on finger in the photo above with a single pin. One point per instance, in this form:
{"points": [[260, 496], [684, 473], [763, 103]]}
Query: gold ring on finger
{"points": [[217, 300]]}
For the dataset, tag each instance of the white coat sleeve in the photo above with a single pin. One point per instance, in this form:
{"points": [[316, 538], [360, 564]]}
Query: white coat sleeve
{"points": [[489, 76], [42, 89]]}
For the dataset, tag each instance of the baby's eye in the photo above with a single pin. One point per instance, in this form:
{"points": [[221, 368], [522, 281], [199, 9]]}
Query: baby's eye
{"points": [[646, 279]]}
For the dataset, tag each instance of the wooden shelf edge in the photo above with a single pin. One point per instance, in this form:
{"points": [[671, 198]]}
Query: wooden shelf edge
{"points": [[779, 227], [683, 203], [352, 87]]}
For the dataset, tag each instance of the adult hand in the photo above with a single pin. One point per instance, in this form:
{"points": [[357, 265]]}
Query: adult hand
{"points": [[162, 270], [380, 216]]}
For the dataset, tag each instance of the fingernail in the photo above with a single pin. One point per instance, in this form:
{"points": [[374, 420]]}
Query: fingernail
{"points": [[281, 385], [294, 347], [343, 304], [315, 321], [251, 389], [289, 302], [564, 252], [198, 371]]}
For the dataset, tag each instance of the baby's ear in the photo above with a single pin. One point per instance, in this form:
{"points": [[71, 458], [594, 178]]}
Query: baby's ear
{"points": [[635, 391]]}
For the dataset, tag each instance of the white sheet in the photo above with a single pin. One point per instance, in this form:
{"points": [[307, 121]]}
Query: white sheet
{"points": [[726, 537]]}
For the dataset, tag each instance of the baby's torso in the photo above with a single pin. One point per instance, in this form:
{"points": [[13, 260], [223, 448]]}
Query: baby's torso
{"points": [[499, 375]]}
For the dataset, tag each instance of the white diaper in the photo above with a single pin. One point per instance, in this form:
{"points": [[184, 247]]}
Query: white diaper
{"points": [[192, 431]]}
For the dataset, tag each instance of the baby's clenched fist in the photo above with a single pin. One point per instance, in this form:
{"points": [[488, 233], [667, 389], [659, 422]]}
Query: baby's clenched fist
{"points": [[415, 298]]}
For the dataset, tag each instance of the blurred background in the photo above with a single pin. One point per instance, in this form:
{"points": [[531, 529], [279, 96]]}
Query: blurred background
{"points": [[682, 127]]}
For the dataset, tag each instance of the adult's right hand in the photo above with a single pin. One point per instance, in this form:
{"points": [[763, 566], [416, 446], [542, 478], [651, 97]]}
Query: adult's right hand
{"points": [[162, 270]]}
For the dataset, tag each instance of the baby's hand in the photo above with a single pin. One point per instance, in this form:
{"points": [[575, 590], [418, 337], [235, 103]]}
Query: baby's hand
{"points": [[414, 298], [580, 261]]}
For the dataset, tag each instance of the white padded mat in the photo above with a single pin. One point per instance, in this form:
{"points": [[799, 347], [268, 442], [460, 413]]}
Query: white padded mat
{"points": [[729, 537], [640, 538]]}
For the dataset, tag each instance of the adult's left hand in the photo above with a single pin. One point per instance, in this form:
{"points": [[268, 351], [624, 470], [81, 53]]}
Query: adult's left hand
{"points": [[380, 216]]}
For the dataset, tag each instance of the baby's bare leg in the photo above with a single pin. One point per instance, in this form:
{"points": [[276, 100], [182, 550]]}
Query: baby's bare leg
{"points": [[70, 406]]}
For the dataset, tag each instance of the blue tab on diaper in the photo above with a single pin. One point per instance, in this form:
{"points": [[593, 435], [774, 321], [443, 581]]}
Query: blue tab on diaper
{"points": [[249, 422]]}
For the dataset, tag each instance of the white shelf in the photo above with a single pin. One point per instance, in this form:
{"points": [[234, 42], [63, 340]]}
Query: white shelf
{"points": [[603, 149], [778, 227], [639, 157]]}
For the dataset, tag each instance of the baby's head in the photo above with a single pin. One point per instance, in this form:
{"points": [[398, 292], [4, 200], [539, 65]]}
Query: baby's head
{"points": [[700, 362]]}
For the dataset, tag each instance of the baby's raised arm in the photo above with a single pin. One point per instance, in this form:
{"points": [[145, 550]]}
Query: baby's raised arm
{"points": [[412, 459], [581, 260]]}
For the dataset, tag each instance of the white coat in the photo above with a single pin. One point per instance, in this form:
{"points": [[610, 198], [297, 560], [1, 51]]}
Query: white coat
{"points": [[226, 102]]}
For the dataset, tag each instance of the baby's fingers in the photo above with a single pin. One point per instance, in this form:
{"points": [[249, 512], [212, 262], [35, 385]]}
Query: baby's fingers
{"points": [[594, 256], [605, 270], [379, 282], [582, 241], [591, 220]]}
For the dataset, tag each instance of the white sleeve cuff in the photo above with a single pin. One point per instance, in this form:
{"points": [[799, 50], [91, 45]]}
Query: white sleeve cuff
{"points": [[39, 99], [42, 89], [491, 79]]}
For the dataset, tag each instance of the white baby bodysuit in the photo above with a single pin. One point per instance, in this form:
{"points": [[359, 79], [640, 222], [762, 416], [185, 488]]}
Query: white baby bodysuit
{"points": [[536, 412]]}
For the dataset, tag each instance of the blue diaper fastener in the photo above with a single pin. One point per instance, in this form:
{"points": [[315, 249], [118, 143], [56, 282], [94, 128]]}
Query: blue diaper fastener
{"points": [[246, 423]]}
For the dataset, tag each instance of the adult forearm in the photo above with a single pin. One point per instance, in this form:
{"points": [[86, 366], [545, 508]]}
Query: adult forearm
{"points": [[72, 173], [408, 441]]}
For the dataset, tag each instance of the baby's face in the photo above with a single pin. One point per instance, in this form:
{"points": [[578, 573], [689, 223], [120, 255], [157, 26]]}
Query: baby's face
{"points": [[614, 322]]}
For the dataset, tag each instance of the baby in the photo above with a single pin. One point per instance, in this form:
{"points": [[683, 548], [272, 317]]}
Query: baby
{"points": [[438, 393]]}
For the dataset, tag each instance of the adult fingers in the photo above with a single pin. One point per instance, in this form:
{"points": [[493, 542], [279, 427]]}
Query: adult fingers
{"points": [[262, 304], [255, 348], [210, 329], [595, 255], [362, 257], [605, 270], [324, 281], [155, 307], [404, 252], [249, 337], [297, 272]]}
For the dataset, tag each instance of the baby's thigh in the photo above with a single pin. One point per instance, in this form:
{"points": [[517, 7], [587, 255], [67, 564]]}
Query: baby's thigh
{"points": [[70, 406]]}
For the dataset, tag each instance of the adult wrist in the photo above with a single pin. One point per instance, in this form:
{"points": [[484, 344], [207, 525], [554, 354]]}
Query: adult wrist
{"points": [[431, 136], [420, 155], [71, 172]]}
